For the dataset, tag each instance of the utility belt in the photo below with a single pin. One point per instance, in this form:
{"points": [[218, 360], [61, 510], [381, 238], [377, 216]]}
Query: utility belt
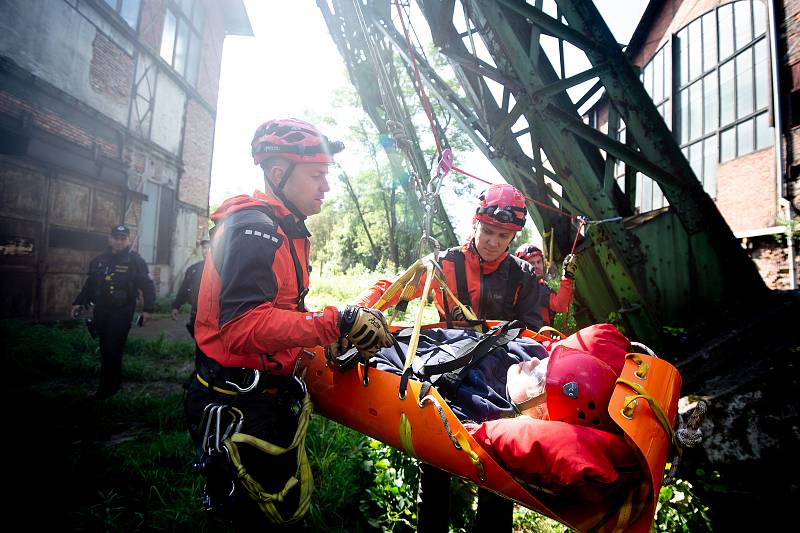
{"points": [[239, 381]]}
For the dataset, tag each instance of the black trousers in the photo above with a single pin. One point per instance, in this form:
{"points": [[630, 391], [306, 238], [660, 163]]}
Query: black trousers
{"points": [[112, 332], [495, 514], [270, 418]]}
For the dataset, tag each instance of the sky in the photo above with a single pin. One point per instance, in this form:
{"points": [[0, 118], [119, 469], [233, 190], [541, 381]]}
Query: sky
{"points": [[291, 68]]}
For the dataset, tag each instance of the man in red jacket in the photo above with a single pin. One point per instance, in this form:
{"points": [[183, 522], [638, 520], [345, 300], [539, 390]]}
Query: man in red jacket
{"points": [[252, 326], [558, 301], [496, 285]]}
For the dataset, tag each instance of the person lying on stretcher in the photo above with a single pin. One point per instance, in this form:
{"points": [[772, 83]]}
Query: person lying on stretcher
{"points": [[540, 409]]}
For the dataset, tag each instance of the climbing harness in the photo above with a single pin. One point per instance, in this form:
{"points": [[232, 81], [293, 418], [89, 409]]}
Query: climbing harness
{"points": [[221, 463]]}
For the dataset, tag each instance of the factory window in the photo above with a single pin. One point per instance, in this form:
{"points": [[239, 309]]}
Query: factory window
{"points": [[181, 38], [723, 87], [127, 9], [657, 79]]}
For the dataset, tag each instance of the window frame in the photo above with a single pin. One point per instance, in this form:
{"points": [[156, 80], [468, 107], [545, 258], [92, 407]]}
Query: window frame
{"points": [[731, 60], [186, 22], [118, 10]]}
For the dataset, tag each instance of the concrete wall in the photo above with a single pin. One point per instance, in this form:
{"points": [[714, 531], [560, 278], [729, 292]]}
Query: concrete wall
{"points": [[72, 49]]}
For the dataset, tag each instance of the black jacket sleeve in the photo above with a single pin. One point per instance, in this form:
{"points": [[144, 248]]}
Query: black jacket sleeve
{"points": [[248, 277], [144, 283], [88, 290], [182, 296], [532, 296]]}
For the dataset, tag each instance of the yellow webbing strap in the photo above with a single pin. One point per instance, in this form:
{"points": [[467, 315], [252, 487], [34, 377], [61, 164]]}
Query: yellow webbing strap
{"points": [[265, 500], [412, 345], [464, 443], [405, 435], [641, 372], [549, 329], [217, 389], [398, 284], [641, 392], [468, 313], [408, 292]]}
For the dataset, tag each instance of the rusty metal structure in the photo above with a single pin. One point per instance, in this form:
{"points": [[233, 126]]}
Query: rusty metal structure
{"points": [[647, 271]]}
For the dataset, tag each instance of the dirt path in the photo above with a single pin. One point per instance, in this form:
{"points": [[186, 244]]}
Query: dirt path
{"points": [[173, 330]]}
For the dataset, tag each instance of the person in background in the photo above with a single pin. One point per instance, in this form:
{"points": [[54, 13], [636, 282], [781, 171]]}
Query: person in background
{"points": [[115, 279], [496, 286], [190, 286], [557, 301]]}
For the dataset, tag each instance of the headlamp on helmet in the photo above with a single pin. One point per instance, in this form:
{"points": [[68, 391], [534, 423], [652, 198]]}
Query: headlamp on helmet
{"points": [[502, 205]]}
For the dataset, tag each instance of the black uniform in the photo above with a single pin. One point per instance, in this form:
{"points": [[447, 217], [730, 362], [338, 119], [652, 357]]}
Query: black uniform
{"points": [[187, 293], [112, 285]]}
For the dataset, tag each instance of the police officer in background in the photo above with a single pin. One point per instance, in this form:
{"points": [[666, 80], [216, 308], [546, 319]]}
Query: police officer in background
{"points": [[112, 285], [187, 293]]}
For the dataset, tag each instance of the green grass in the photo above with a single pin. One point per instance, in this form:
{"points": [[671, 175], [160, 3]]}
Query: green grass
{"points": [[125, 464], [341, 289]]}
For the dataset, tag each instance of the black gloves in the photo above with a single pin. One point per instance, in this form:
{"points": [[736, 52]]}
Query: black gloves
{"points": [[570, 266], [458, 314]]}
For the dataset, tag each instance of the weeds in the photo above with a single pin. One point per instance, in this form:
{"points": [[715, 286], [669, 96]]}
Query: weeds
{"points": [[126, 464]]}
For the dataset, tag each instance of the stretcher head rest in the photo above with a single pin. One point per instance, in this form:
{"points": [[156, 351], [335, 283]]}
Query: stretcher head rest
{"points": [[642, 418]]}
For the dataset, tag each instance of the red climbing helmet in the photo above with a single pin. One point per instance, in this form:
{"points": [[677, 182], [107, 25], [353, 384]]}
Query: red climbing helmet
{"points": [[528, 251], [296, 140], [578, 388], [502, 205]]}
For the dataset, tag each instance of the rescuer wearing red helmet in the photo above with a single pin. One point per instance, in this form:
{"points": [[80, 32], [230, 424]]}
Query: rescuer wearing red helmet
{"points": [[557, 301], [252, 327], [496, 285]]}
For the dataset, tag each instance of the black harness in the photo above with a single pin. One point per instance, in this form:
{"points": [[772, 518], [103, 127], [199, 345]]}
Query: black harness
{"points": [[462, 289]]}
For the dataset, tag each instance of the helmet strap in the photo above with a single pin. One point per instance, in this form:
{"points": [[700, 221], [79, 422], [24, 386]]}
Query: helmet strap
{"points": [[278, 190], [286, 174]]}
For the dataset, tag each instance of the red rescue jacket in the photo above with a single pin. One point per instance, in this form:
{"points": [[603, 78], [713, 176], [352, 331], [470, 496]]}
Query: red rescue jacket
{"points": [[248, 310], [503, 289], [558, 301]]}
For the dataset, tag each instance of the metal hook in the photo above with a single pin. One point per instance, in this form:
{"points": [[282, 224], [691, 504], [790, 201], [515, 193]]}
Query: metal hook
{"points": [[256, 378]]}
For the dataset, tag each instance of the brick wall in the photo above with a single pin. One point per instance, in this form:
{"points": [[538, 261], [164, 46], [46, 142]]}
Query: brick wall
{"points": [[111, 70], [52, 123], [771, 257], [151, 24], [790, 29], [211, 55], [746, 191], [197, 145], [659, 32]]}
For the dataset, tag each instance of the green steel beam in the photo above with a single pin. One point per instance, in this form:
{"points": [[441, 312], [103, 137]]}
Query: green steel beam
{"points": [[719, 253]]}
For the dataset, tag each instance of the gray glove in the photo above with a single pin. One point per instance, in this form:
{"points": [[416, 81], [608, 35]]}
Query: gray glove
{"points": [[365, 328]]}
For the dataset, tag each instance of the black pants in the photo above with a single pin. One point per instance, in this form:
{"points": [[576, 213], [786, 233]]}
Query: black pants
{"points": [[269, 418], [495, 513], [112, 331]]}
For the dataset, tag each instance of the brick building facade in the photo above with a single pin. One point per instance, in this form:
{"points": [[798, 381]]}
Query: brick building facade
{"points": [[107, 113], [724, 74]]}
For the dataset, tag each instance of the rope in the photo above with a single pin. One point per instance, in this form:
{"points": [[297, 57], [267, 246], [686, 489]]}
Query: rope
{"points": [[420, 87], [266, 501], [377, 65]]}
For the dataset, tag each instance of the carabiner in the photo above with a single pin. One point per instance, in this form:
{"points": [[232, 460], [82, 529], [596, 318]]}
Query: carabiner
{"points": [[249, 388]]}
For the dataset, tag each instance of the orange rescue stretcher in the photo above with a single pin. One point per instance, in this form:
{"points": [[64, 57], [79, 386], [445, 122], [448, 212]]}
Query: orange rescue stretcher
{"points": [[644, 404]]}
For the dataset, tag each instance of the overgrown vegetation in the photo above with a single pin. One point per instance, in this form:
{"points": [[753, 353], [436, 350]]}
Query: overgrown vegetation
{"points": [[126, 464]]}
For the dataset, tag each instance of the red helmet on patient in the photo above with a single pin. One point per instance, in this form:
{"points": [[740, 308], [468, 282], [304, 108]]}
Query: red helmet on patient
{"points": [[293, 139], [502, 205], [578, 388]]}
